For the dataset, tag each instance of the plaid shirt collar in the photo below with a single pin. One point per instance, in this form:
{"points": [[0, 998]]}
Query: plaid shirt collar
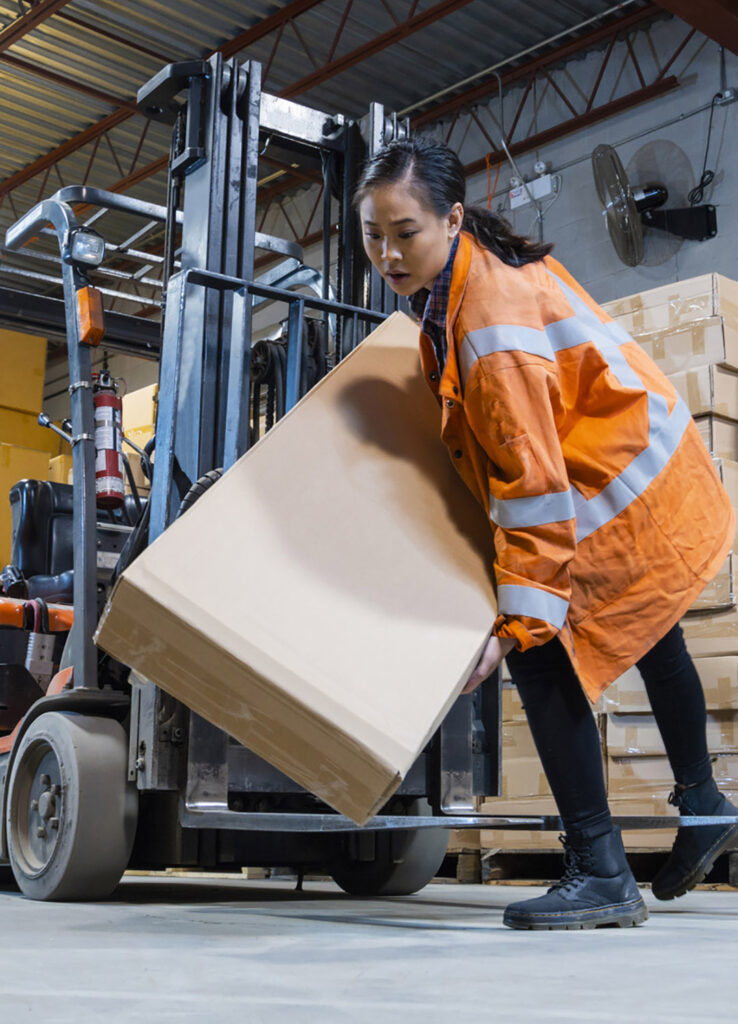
{"points": [[430, 307]]}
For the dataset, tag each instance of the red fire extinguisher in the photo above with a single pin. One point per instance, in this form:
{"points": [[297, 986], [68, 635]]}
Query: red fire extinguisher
{"points": [[108, 404]]}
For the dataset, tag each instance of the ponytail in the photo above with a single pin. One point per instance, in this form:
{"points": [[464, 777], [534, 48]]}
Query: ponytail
{"points": [[495, 234], [437, 175]]}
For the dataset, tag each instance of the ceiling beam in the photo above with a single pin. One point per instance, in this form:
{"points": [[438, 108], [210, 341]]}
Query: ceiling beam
{"points": [[122, 113], [575, 124], [67, 83], [557, 56], [398, 33], [30, 20], [117, 39], [717, 19], [65, 149], [374, 46], [265, 26]]}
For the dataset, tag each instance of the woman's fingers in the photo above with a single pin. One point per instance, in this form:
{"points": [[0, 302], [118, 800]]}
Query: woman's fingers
{"points": [[490, 659], [493, 653]]}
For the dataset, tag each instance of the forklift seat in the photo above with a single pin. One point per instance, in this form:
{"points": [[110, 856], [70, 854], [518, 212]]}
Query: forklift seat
{"points": [[42, 542], [42, 532]]}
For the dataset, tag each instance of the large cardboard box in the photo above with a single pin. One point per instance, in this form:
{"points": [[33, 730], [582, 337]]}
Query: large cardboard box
{"points": [[139, 423], [23, 361], [511, 704], [16, 464], [646, 840], [728, 472], [677, 304], [709, 390], [518, 839], [326, 600], [522, 771], [626, 693], [522, 806], [719, 594], [463, 840], [719, 678], [711, 634], [139, 409], [701, 343], [22, 429], [630, 735], [651, 778], [719, 435], [61, 469]]}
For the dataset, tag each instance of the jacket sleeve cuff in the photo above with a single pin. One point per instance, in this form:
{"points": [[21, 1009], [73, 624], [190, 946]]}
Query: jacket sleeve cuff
{"points": [[525, 631]]}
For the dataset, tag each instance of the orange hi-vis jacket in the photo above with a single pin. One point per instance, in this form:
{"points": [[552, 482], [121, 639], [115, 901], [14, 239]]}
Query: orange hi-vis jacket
{"points": [[608, 516]]}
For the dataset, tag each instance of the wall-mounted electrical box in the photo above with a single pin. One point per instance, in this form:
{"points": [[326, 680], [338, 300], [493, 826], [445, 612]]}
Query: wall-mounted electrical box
{"points": [[540, 188]]}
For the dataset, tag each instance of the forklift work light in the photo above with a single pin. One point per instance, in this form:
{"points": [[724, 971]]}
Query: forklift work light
{"points": [[87, 246]]}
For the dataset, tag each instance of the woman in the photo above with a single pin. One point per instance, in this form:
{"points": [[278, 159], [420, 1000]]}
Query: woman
{"points": [[607, 514]]}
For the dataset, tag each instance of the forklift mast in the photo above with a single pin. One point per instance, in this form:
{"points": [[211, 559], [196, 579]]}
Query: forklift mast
{"points": [[191, 777]]}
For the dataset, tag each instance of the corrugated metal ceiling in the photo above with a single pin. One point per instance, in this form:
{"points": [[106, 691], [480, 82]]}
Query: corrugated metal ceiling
{"points": [[110, 48], [36, 115]]}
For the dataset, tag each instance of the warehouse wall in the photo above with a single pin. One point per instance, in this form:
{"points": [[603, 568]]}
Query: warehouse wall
{"points": [[575, 223]]}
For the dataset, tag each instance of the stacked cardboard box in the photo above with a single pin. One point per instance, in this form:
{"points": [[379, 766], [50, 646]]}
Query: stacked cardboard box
{"points": [[638, 772], [139, 424], [25, 447], [690, 329], [523, 783], [524, 789]]}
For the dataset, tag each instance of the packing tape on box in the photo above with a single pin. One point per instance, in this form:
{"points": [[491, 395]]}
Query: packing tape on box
{"points": [[651, 776], [695, 394], [698, 339], [724, 687], [658, 349], [638, 734]]}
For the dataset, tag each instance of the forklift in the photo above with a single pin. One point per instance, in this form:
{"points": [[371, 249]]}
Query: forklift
{"points": [[101, 770]]}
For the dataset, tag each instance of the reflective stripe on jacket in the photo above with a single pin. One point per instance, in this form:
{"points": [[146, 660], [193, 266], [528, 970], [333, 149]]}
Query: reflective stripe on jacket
{"points": [[608, 516]]}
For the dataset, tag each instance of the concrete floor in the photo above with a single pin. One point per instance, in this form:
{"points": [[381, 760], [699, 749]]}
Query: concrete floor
{"points": [[257, 951]]}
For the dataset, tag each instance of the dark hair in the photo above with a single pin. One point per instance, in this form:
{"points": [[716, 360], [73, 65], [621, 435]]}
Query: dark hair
{"points": [[437, 175]]}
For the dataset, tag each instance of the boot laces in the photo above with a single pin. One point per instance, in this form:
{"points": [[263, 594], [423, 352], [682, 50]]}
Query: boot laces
{"points": [[675, 798], [577, 866]]}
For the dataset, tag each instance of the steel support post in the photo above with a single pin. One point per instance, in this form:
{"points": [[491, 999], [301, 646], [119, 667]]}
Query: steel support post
{"points": [[244, 106], [82, 653], [294, 353]]}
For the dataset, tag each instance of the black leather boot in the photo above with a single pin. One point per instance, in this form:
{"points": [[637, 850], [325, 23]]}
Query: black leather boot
{"points": [[596, 889], [695, 849]]}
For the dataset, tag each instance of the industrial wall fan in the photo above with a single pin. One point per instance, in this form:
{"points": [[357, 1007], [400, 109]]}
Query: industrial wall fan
{"points": [[641, 228]]}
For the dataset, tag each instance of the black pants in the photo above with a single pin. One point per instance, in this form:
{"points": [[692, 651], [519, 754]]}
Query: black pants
{"points": [[566, 735]]}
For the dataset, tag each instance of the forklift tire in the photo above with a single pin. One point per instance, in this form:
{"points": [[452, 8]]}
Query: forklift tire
{"points": [[71, 812], [390, 863]]}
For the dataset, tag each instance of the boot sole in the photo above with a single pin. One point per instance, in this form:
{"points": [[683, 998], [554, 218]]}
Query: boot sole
{"points": [[619, 915], [701, 871]]}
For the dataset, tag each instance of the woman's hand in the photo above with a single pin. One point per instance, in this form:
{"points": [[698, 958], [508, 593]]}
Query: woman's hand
{"points": [[492, 655]]}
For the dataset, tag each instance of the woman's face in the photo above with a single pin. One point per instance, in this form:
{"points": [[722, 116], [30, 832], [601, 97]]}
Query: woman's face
{"points": [[406, 242]]}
